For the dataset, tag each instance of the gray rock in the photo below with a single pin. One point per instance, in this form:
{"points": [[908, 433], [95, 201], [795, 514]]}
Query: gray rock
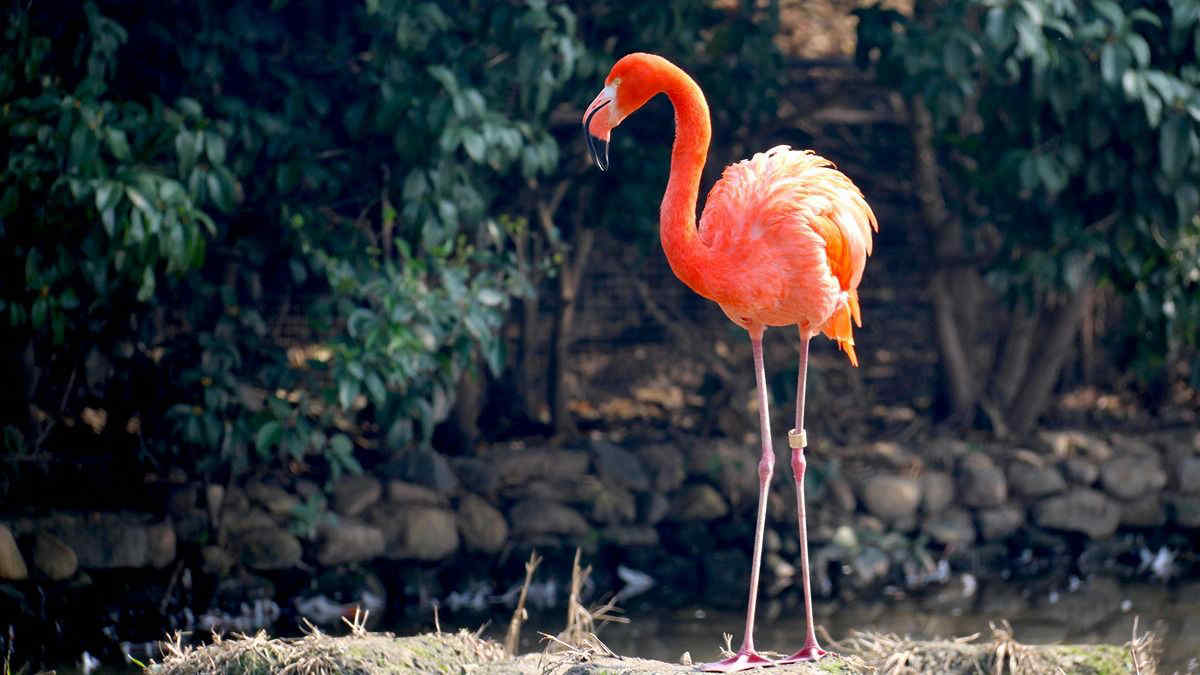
{"points": [[353, 494], [52, 558], [937, 491], [349, 541], [630, 535], [869, 567], [1128, 476], [698, 502], [160, 544], [273, 498], [216, 561], [841, 495], [1080, 471], [653, 507], [479, 475], [481, 525], [536, 517], [952, 527], [1079, 510], [523, 466], [1188, 475], [12, 563], [1147, 511], [733, 467], [411, 493], [1033, 481], [102, 540], [666, 465], [1185, 510], [414, 532], [423, 467], [891, 498], [620, 467], [613, 505], [980, 481], [999, 522], [267, 548], [254, 518]]}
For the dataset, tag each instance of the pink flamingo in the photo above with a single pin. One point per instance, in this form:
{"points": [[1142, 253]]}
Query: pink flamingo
{"points": [[782, 241]]}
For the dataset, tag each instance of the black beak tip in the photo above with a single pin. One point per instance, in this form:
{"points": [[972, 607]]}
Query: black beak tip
{"points": [[598, 148]]}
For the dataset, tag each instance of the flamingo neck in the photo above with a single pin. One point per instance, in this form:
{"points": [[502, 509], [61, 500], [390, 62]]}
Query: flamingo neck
{"points": [[677, 217]]}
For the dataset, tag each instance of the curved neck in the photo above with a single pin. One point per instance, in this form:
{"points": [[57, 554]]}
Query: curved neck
{"points": [[677, 217]]}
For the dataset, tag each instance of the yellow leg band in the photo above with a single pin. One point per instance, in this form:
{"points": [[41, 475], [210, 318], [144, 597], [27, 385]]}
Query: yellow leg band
{"points": [[797, 438]]}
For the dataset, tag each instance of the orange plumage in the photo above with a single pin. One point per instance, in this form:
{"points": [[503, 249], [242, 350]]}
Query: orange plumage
{"points": [[794, 235]]}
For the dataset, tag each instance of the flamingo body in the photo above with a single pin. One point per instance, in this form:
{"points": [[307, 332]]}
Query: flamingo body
{"points": [[789, 237], [783, 240]]}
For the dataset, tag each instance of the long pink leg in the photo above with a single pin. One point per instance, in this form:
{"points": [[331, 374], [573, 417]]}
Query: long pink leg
{"points": [[797, 439], [746, 657]]}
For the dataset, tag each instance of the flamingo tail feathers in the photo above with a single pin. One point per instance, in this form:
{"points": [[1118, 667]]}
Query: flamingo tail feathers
{"points": [[840, 327]]}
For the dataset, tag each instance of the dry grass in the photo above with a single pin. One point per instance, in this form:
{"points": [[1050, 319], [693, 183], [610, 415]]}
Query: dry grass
{"points": [[359, 653], [894, 655]]}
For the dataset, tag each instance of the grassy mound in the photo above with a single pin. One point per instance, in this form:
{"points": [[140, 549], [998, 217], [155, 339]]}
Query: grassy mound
{"points": [[376, 654]]}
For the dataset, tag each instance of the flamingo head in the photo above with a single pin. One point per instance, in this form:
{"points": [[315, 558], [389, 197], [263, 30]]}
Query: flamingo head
{"points": [[629, 84]]}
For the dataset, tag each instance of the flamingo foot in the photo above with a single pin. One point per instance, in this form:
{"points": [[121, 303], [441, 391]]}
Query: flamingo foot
{"points": [[809, 652], [745, 659]]}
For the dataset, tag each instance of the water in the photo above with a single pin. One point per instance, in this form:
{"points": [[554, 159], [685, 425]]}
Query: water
{"points": [[1100, 611]]}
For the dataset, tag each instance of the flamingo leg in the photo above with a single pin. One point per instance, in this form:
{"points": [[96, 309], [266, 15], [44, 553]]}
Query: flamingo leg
{"points": [[746, 657], [798, 439]]}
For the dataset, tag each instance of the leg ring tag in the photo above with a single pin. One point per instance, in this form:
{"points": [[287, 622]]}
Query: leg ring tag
{"points": [[797, 438]]}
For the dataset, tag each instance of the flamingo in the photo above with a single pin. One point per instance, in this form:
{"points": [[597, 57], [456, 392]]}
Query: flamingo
{"points": [[782, 241]]}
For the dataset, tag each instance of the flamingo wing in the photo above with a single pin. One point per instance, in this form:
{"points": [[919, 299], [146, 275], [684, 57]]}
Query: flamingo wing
{"points": [[794, 234]]}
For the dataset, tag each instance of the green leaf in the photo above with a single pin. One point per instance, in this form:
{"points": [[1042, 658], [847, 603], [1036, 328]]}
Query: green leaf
{"points": [[376, 389], [268, 435], [118, 144], [473, 144], [108, 194], [1109, 68], [146, 289], [138, 200], [214, 145], [1173, 145], [490, 297], [341, 444], [40, 307], [348, 390], [187, 149], [1187, 202]]}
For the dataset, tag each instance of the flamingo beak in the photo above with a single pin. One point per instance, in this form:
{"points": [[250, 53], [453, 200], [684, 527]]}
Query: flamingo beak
{"points": [[597, 128]]}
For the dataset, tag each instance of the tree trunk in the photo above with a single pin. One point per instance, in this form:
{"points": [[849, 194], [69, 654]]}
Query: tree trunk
{"points": [[948, 246], [1035, 391]]}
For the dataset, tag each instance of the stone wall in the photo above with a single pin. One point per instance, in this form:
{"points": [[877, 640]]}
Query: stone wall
{"points": [[680, 511]]}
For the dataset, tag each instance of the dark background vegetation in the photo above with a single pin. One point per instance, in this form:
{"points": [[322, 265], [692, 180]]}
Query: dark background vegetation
{"points": [[241, 237]]}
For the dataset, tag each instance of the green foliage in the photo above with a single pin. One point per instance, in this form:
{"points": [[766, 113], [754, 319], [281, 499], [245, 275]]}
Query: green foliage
{"points": [[87, 172], [186, 186], [360, 179], [1075, 133]]}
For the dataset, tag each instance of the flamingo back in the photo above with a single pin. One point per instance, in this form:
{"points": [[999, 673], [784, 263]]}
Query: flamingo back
{"points": [[789, 236]]}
